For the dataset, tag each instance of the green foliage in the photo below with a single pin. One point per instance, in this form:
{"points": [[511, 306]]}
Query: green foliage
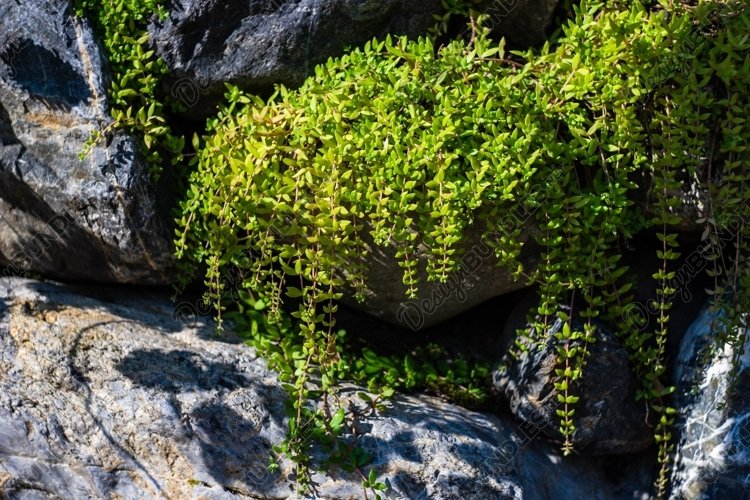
{"points": [[407, 144], [283, 345], [429, 367], [136, 72], [371, 482]]}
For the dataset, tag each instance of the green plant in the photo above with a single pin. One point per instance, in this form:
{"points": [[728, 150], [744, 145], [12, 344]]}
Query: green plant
{"points": [[283, 346], [406, 144], [371, 482], [136, 72]]}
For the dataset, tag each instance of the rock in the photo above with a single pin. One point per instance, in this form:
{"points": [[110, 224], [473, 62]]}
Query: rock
{"points": [[608, 420], [478, 278], [523, 22], [95, 219], [712, 457], [691, 192], [104, 393], [260, 43], [256, 44]]}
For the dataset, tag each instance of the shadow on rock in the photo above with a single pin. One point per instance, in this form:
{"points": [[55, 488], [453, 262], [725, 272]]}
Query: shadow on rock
{"points": [[146, 306], [176, 371], [228, 426], [62, 86], [232, 448]]}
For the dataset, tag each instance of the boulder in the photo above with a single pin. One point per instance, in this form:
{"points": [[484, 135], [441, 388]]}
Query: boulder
{"points": [[478, 278], [712, 456], [608, 420], [257, 44], [106, 393], [96, 219]]}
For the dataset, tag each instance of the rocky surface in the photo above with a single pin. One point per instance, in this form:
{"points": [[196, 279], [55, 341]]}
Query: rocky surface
{"points": [[477, 279], [110, 396], [608, 420], [256, 44], [96, 219], [712, 458]]}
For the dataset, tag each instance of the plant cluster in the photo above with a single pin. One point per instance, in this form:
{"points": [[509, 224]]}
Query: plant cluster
{"points": [[134, 102], [406, 144]]}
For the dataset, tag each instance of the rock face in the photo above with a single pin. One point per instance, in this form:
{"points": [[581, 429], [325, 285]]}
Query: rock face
{"points": [[113, 397], [256, 44], [712, 458], [94, 219], [608, 419]]}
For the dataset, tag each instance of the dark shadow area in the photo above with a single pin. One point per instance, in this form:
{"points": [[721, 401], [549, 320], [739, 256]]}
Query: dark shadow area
{"points": [[725, 487], [400, 446], [46, 76], [231, 446], [50, 249], [182, 371], [123, 158], [147, 306], [690, 282], [408, 485], [179, 370], [563, 14], [739, 397], [475, 334], [7, 135]]}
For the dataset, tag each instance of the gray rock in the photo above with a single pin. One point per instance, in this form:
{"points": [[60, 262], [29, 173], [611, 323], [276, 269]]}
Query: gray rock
{"points": [[608, 420], [95, 219], [256, 44], [105, 394], [712, 457], [478, 278], [259, 43]]}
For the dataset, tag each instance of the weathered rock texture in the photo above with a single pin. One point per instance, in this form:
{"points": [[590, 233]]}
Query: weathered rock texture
{"points": [[712, 458], [95, 219], [608, 419], [259, 43], [111, 397]]}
